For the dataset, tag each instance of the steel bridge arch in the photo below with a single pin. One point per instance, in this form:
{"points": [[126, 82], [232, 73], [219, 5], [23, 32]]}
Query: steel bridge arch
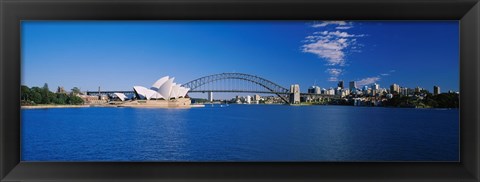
{"points": [[267, 84]]}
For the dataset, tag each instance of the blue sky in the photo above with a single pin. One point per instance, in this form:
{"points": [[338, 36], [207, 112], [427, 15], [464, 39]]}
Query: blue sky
{"points": [[117, 55]]}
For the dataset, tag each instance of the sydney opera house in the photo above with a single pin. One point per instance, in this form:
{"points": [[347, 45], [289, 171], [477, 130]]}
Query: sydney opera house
{"points": [[163, 93]]}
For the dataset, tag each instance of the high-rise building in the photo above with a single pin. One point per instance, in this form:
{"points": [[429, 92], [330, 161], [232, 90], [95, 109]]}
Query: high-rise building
{"points": [[418, 89], [395, 88], [352, 86], [436, 90], [340, 84], [210, 96], [375, 86], [404, 91], [256, 97], [249, 99], [365, 87], [314, 90]]}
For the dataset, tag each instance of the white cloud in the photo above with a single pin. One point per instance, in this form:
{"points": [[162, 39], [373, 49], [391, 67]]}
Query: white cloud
{"points": [[344, 27], [334, 73], [332, 43], [330, 46], [332, 79], [367, 81], [384, 74], [325, 23]]}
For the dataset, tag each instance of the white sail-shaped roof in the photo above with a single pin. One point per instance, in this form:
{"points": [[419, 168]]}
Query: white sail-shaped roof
{"points": [[166, 89], [159, 83], [175, 91], [121, 96], [145, 93], [183, 91], [156, 95], [141, 91]]}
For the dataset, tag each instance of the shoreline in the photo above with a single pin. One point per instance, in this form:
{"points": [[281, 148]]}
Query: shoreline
{"points": [[53, 106], [113, 106]]}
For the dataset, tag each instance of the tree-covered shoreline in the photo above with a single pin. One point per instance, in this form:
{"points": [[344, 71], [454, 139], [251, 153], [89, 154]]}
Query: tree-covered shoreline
{"points": [[43, 95]]}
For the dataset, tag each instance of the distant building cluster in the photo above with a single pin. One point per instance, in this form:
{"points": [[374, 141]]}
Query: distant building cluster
{"points": [[367, 90], [256, 99]]}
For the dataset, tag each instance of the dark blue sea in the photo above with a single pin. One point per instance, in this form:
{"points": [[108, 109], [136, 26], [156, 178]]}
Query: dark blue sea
{"points": [[241, 133]]}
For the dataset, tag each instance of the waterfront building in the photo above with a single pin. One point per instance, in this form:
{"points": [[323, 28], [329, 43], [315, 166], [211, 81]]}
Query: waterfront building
{"points": [[124, 97], [340, 84], [368, 91], [90, 99], [394, 89], [352, 85], [374, 92], [404, 91], [411, 91], [311, 90], [163, 88], [345, 92], [338, 91], [375, 86], [248, 99], [295, 94], [418, 89], [365, 88], [256, 97], [330, 91], [210, 96], [436, 90], [314, 90]]}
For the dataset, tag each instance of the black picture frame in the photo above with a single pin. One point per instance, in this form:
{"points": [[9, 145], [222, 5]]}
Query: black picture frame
{"points": [[13, 11]]}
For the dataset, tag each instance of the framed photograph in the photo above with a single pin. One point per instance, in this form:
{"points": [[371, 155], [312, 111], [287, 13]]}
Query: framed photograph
{"points": [[244, 90]]}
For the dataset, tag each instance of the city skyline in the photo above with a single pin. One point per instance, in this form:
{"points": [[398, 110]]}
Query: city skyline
{"points": [[118, 54]]}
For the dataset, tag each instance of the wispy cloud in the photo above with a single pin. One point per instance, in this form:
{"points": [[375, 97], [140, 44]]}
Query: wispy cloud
{"points": [[374, 79], [325, 23], [343, 27], [332, 43], [334, 73], [329, 45], [368, 81]]}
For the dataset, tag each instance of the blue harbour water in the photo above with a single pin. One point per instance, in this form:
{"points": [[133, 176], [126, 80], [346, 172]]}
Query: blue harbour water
{"points": [[241, 133]]}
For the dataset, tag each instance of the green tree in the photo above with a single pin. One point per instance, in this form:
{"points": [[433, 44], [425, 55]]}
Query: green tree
{"points": [[24, 93], [61, 98], [74, 100], [36, 97]]}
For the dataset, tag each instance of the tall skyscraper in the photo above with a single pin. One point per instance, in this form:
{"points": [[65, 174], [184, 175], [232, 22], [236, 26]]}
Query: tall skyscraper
{"points": [[352, 85], [418, 89], [395, 88], [436, 90], [314, 90], [210, 96], [340, 84], [375, 86]]}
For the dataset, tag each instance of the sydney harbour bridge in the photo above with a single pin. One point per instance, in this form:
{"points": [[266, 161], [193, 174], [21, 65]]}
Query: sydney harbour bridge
{"points": [[231, 82]]}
